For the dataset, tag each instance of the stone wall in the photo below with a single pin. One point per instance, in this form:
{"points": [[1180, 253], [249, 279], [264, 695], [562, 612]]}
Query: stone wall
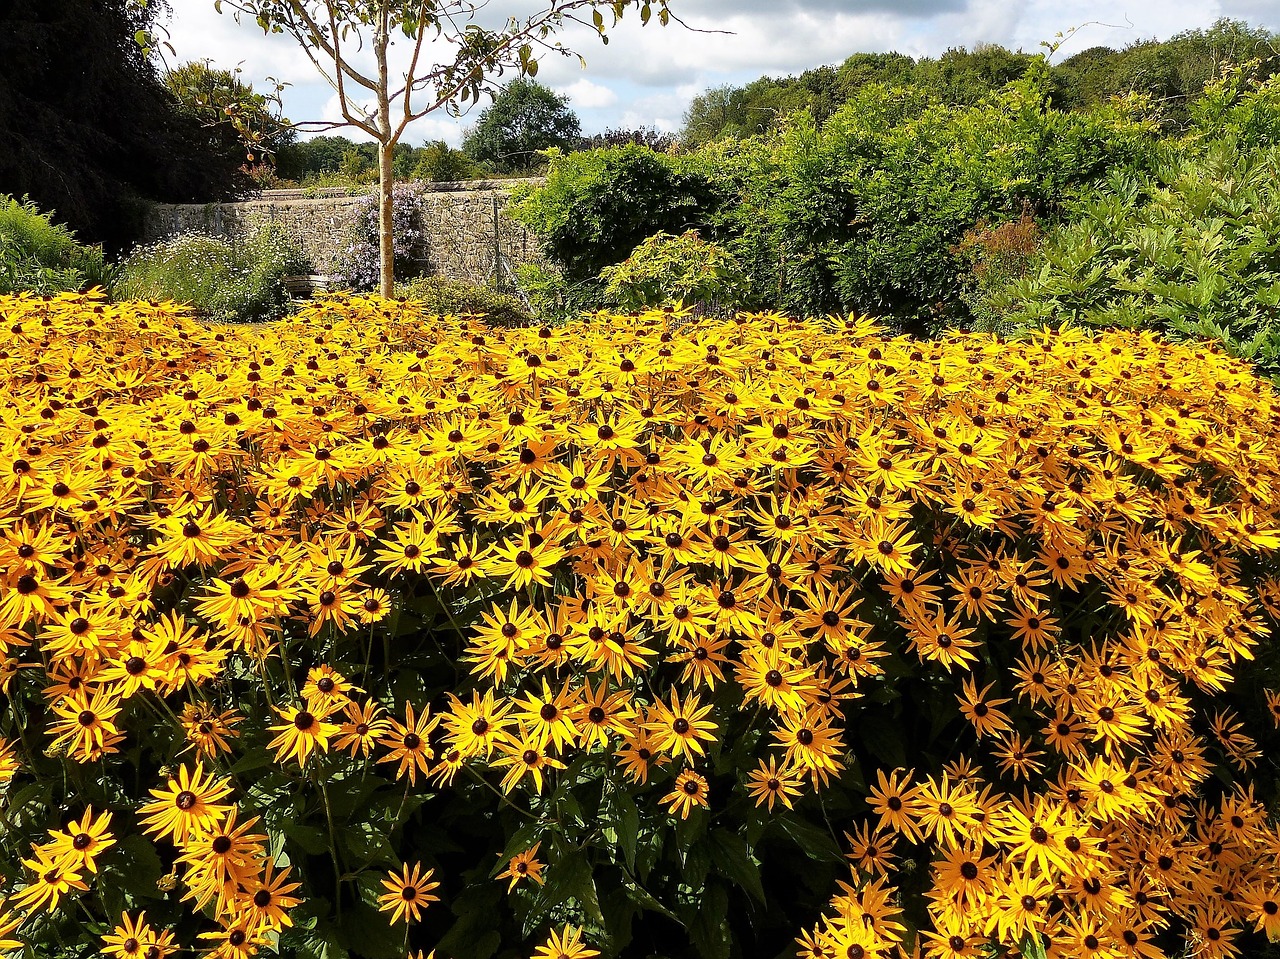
{"points": [[457, 220]]}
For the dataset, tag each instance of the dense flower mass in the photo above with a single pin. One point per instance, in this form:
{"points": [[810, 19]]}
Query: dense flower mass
{"points": [[655, 593]]}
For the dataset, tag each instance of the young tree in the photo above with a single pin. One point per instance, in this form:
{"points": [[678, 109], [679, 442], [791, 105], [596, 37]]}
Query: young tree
{"points": [[525, 117], [339, 36]]}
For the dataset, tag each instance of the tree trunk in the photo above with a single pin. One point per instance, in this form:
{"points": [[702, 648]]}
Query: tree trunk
{"points": [[386, 144], [386, 239]]}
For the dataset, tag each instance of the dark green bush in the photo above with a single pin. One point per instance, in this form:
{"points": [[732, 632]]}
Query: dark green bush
{"points": [[1191, 250], [41, 256], [597, 206], [454, 298], [226, 281], [864, 214], [861, 214]]}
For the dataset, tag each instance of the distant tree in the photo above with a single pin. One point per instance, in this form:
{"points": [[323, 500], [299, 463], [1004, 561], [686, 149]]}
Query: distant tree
{"points": [[643, 136], [715, 113], [87, 128], [525, 117], [438, 163], [860, 69], [307, 158], [237, 120], [964, 77], [1173, 72]]}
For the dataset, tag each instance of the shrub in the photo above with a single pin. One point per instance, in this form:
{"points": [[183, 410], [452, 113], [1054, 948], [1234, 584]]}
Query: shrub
{"points": [[999, 255], [615, 629], [436, 295], [552, 296], [666, 269], [358, 266], [439, 162], [223, 280], [41, 256], [597, 206], [1192, 250], [863, 213]]}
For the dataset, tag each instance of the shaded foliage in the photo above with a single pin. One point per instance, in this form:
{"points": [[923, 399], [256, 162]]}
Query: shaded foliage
{"points": [[88, 128]]}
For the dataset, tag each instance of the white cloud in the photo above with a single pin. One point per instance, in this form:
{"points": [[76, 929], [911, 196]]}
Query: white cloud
{"points": [[585, 95]]}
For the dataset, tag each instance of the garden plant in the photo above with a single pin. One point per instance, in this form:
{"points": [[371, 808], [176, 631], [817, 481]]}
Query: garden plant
{"points": [[643, 635]]}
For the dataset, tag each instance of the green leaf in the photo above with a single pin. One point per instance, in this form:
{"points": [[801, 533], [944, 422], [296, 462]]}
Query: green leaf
{"points": [[310, 839], [816, 843], [709, 930], [732, 859], [364, 925], [369, 846], [1032, 947], [131, 872], [473, 935], [628, 827]]}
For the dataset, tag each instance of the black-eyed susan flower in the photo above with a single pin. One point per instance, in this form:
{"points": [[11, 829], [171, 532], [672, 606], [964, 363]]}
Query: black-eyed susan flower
{"points": [[565, 944], [768, 784], [681, 728], [408, 743], [83, 841], [131, 938], [208, 730], [523, 865], [51, 880], [188, 804], [690, 790], [86, 725], [408, 893], [304, 729]]}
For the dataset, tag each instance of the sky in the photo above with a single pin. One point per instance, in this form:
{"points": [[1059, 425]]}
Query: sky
{"points": [[647, 75]]}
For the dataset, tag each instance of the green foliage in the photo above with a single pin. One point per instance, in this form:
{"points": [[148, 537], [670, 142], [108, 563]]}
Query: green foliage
{"points": [[555, 297], [1191, 250], [87, 127], [440, 163], [41, 256], [524, 119], [454, 298], [337, 161], [665, 269], [223, 281], [998, 256], [862, 213], [1172, 73], [873, 204], [1239, 107], [597, 206], [236, 120]]}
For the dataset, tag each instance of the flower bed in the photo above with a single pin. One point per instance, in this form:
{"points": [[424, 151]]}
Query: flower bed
{"points": [[386, 632]]}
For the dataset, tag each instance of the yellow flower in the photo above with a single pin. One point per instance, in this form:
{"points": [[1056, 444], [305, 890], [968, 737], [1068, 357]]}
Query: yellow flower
{"points": [[408, 893], [523, 865], [304, 729], [690, 790], [565, 944]]}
